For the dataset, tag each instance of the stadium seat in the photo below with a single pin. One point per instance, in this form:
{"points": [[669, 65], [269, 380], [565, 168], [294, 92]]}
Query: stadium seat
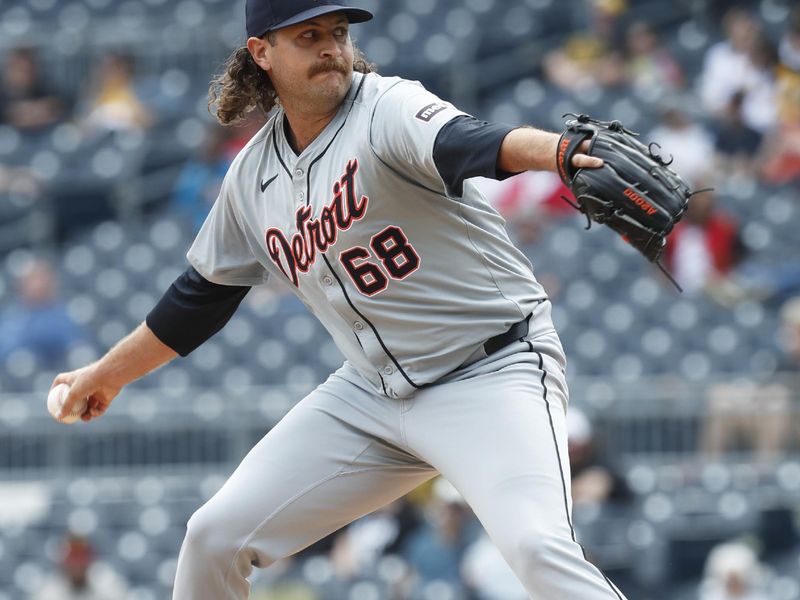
{"points": [[154, 521]]}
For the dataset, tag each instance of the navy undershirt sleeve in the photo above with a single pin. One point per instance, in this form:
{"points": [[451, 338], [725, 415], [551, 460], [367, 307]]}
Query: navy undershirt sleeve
{"points": [[466, 147], [192, 310]]}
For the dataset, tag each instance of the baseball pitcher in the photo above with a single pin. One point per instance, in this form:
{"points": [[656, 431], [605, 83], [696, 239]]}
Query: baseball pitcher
{"points": [[357, 193]]}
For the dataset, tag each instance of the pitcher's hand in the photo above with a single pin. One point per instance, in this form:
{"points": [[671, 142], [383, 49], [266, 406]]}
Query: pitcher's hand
{"points": [[87, 383]]}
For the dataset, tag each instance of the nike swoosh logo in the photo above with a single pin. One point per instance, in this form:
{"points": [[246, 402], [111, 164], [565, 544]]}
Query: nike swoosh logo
{"points": [[266, 183]]}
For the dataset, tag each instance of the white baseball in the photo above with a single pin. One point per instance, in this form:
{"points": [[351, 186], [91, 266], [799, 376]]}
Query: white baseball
{"points": [[56, 398]]}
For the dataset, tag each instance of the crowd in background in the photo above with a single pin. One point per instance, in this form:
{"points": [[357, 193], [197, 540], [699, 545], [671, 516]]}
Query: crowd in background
{"points": [[737, 119]]}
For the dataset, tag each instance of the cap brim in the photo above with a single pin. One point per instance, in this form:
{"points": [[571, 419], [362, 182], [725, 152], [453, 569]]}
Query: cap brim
{"points": [[354, 15]]}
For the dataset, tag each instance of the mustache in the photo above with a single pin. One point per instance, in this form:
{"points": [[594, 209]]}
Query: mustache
{"points": [[329, 65]]}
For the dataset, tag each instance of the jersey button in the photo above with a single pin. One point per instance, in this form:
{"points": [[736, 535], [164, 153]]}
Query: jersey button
{"points": [[358, 326], [388, 370], [327, 280], [301, 195], [298, 172]]}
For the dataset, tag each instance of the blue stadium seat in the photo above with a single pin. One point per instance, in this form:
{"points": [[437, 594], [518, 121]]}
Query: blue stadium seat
{"points": [[154, 521]]}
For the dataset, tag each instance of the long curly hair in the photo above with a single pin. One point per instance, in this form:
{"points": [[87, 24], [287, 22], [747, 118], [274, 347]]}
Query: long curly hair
{"points": [[243, 86]]}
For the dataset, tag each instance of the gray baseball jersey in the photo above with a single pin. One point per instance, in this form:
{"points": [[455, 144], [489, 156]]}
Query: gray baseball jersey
{"points": [[409, 278]]}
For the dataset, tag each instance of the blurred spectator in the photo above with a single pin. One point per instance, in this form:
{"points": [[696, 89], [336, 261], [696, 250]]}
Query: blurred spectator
{"points": [[80, 577], [38, 321], [357, 549], [288, 590], [652, 70], [590, 58], [25, 215], [19, 180], [112, 102], [744, 63], [704, 246], [771, 280], [436, 548], [760, 100], [746, 416], [200, 180], [735, 142], [26, 102], [282, 581], [732, 572], [768, 281], [757, 415], [781, 157], [727, 67], [686, 143], [594, 479]]}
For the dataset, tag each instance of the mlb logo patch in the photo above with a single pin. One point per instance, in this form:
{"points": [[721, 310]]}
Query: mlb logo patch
{"points": [[428, 112]]}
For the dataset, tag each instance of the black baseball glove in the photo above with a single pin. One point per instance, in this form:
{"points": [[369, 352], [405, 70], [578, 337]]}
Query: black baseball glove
{"points": [[634, 192]]}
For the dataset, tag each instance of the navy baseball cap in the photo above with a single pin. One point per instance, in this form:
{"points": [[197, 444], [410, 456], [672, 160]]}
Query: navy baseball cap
{"points": [[268, 15]]}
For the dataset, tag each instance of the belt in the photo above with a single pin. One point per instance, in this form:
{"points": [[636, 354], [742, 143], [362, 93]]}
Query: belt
{"points": [[515, 333]]}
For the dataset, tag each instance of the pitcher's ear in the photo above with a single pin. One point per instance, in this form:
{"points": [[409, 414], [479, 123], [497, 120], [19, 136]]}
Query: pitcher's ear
{"points": [[259, 50]]}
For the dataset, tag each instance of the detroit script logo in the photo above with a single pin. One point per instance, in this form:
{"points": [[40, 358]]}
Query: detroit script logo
{"points": [[317, 234]]}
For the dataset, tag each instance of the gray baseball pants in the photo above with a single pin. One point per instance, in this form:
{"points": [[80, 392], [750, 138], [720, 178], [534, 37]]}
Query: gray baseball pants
{"points": [[495, 429]]}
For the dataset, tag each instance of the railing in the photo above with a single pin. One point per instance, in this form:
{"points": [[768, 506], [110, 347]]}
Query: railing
{"points": [[653, 422]]}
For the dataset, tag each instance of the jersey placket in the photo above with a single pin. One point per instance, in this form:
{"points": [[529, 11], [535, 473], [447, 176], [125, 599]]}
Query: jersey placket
{"points": [[341, 298], [353, 322]]}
